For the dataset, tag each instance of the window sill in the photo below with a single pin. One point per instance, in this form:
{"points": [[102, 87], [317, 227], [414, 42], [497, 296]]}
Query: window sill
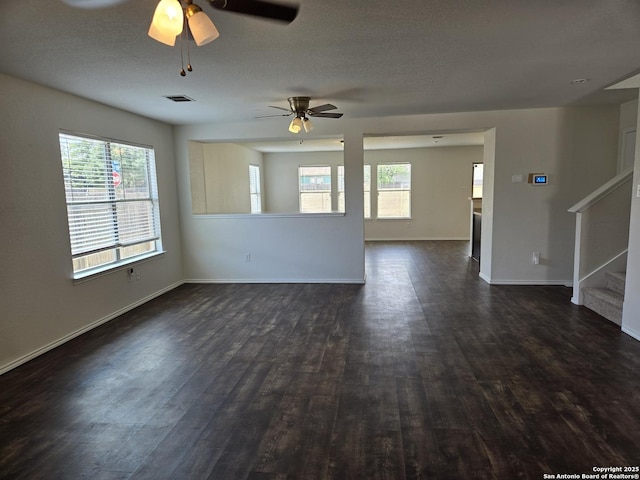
{"points": [[87, 275], [270, 215]]}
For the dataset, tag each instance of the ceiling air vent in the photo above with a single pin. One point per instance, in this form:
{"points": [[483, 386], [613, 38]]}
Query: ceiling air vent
{"points": [[179, 98]]}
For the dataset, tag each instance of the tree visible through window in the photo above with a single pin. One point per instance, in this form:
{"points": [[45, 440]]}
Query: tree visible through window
{"points": [[394, 190], [112, 201]]}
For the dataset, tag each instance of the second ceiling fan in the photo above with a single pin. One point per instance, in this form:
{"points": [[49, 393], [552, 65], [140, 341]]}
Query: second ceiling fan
{"points": [[299, 106]]}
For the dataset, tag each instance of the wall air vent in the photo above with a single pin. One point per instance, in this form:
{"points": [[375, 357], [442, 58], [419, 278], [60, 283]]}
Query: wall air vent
{"points": [[179, 98]]}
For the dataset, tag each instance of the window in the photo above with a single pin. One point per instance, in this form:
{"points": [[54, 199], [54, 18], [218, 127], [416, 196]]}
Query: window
{"points": [[254, 189], [478, 173], [394, 190], [112, 202], [341, 201], [315, 189], [367, 191]]}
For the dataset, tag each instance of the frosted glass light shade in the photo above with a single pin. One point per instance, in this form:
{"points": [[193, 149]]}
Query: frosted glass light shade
{"points": [[202, 28], [306, 123], [296, 125], [167, 22], [162, 37]]}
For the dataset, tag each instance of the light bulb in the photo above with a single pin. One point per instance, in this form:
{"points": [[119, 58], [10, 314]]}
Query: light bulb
{"points": [[296, 125], [167, 22]]}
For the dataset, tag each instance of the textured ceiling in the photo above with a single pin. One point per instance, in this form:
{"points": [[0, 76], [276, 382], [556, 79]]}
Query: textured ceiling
{"points": [[369, 57]]}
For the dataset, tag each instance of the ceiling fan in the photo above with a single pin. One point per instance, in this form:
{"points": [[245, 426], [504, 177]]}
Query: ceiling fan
{"points": [[184, 19], [299, 106], [257, 8]]}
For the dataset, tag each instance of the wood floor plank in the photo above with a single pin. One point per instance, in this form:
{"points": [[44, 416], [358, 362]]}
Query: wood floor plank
{"points": [[425, 372]]}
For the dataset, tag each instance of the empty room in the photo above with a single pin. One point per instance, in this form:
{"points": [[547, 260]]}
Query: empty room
{"points": [[319, 240]]}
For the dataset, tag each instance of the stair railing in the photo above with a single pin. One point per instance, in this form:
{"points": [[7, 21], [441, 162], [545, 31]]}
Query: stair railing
{"points": [[602, 233]]}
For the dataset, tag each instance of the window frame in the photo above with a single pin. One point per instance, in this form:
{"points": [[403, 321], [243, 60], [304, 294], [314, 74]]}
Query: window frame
{"points": [[254, 171], [477, 187], [380, 190], [122, 252], [326, 192]]}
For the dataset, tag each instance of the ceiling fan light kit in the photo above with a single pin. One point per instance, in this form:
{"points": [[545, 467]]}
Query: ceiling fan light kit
{"points": [[170, 16]]}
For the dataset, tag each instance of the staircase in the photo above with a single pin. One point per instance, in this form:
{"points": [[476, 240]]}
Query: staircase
{"points": [[607, 301]]}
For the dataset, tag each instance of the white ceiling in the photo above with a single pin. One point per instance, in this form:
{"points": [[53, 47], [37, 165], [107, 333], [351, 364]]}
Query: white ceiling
{"points": [[370, 58]]}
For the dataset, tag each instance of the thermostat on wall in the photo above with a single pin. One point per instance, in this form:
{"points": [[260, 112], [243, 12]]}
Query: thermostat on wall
{"points": [[538, 178]]}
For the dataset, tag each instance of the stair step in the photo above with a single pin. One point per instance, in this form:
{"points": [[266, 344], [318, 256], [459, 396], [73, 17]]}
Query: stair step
{"points": [[616, 281], [605, 302]]}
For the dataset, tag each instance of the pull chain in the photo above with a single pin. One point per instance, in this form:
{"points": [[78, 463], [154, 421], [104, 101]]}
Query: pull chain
{"points": [[184, 26], [184, 37]]}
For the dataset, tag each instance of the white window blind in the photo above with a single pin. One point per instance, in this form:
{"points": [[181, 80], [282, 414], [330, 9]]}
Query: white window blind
{"points": [[112, 200]]}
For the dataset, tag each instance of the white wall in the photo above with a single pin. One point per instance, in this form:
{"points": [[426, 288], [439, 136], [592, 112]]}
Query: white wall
{"points": [[576, 147], [440, 190], [628, 115], [219, 175], [40, 304], [631, 308], [281, 191], [627, 135]]}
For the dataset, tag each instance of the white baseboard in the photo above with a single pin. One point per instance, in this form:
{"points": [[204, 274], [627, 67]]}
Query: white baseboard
{"points": [[541, 283], [357, 281], [632, 333], [36, 353], [417, 239]]}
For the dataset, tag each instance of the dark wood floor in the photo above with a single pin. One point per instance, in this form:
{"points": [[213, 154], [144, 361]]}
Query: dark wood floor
{"points": [[424, 372]]}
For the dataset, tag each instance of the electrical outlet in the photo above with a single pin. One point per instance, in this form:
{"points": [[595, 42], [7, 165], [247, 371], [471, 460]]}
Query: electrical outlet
{"points": [[130, 274], [247, 257], [638, 192]]}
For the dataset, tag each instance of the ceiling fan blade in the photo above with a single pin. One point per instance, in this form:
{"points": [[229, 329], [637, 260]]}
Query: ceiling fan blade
{"points": [[279, 115], [93, 3], [282, 108], [258, 8], [321, 108], [325, 115]]}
